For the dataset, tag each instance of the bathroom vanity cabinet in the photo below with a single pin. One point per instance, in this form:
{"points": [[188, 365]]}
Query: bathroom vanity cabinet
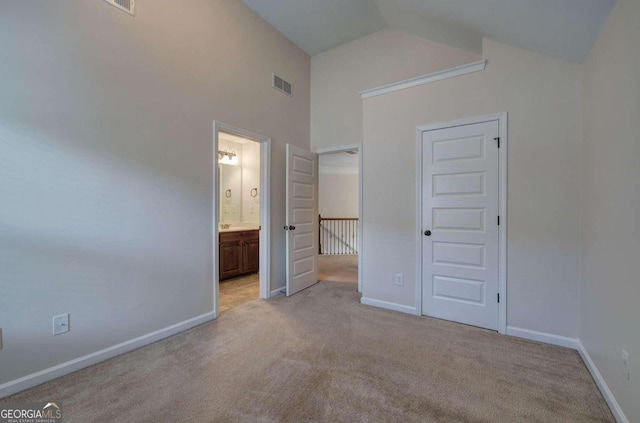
{"points": [[239, 253]]}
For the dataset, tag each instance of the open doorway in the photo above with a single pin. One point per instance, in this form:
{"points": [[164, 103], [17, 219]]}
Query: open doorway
{"points": [[241, 217], [340, 214]]}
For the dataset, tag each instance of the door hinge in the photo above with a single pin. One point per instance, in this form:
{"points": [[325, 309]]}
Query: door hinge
{"points": [[498, 297], [498, 220], [498, 140]]}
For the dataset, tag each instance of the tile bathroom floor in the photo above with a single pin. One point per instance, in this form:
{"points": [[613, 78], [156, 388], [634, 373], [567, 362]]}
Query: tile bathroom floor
{"points": [[237, 291]]}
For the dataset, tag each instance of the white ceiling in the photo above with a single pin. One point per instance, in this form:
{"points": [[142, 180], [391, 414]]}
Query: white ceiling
{"points": [[561, 28]]}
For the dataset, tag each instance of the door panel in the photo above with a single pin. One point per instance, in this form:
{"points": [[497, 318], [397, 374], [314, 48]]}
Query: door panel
{"points": [[460, 200], [302, 241], [458, 289], [458, 149], [458, 254], [471, 183], [459, 219], [302, 215]]}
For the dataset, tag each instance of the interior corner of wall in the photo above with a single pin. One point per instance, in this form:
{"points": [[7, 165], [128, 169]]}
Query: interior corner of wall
{"points": [[486, 47]]}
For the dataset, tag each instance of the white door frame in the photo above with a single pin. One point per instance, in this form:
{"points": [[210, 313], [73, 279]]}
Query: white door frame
{"points": [[351, 147], [502, 250], [265, 212]]}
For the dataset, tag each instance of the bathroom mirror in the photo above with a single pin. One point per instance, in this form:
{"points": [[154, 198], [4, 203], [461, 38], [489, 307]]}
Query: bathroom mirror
{"points": [[239, 185]]}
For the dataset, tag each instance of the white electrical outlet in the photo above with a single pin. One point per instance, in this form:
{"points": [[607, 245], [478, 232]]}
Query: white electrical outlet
{"points": [[625, 363], [399, 279], [60, 324]]}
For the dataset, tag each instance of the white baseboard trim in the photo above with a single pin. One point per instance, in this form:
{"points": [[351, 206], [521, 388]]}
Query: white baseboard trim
{"points": [[389, 306], [278, 292], [34, 379], [602, 385], [547, 338]]}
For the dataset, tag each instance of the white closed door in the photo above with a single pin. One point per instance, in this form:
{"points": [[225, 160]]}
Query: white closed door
{"points": [[460, 241], [302, 219]]}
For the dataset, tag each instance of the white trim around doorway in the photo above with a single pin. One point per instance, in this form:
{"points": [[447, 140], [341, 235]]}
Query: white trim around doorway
{"points": [[352, 147], [265, 219], [502, 259]]}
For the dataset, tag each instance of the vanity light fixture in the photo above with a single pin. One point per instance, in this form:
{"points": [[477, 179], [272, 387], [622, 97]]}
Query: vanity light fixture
{"points": [[227, 157]]}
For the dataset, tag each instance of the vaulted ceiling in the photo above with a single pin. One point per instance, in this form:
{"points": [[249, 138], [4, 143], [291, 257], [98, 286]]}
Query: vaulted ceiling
{"points": [[561, 28]]}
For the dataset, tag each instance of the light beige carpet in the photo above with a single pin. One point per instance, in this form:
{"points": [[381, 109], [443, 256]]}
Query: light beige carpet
{"points": [[338, 268], [320, 356]]}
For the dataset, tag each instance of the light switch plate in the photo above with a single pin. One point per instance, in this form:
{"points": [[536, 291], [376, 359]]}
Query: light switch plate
{"points": [[625, 363], [60, 324]]}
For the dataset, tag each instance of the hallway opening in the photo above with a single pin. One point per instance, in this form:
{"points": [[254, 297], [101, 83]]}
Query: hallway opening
{"points": [[339, 223]]}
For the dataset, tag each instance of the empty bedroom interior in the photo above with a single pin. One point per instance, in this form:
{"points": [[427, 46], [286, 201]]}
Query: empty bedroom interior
{"points": [[107, 210]]}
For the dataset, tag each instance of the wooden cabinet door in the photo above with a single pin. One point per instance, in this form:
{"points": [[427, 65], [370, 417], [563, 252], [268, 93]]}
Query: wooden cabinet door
{"points": [[251, 256], [230, 259]]}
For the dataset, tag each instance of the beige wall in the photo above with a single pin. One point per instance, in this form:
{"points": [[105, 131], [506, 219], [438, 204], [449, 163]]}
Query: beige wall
{"points": [[611, 205], [543, 98], [338, 194], [339, 74], [106, 164]]}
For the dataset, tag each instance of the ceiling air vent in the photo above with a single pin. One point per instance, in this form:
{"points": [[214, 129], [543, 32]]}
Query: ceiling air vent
{"points": [[128, 6], [282, 85]]}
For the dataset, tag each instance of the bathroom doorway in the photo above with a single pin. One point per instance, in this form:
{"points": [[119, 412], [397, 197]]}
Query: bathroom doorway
{"points": [[241, 217]]}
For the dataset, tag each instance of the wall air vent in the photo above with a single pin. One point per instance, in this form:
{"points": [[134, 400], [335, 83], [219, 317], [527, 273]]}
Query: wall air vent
{"points": [[282, 85], [128, 6]]}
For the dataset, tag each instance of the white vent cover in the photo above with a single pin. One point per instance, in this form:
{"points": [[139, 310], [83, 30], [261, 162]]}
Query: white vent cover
{"points": [[282, 85], [128, 6]]}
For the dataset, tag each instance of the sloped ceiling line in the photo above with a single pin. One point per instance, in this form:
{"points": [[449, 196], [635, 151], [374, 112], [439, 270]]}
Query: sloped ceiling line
{"points": [[561, 28]]}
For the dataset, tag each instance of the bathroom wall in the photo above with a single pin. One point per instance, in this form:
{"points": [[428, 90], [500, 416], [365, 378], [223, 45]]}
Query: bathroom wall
{"points": [[231, 184], [250, 180]]}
